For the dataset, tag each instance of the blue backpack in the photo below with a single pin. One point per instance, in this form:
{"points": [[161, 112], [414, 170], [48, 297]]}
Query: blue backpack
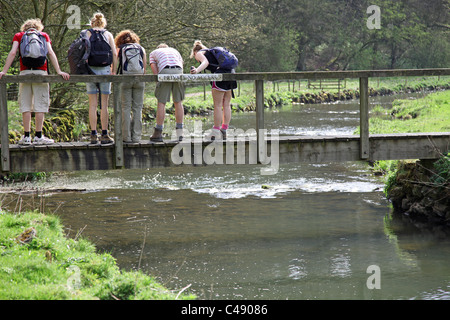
{"points": [[226, 60]]}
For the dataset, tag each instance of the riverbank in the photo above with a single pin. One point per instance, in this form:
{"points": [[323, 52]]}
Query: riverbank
{"points": [[38, 262], [419, 190]]}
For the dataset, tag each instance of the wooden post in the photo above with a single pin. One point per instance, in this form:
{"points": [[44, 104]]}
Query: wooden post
{"points": [[118, 135], [364, 117], [5, 163], [259, 85]]}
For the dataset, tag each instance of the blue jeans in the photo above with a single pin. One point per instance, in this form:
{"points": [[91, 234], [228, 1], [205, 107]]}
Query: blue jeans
{"points": [[105, 87]]}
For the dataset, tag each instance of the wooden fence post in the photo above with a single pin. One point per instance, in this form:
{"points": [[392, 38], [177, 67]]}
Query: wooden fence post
{"points": [[259, 85], [364, 117], [5, 161], [118, 135]]}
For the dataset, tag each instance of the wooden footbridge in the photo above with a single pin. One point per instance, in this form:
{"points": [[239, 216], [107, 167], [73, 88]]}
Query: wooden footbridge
{"points": [[250, 149]]}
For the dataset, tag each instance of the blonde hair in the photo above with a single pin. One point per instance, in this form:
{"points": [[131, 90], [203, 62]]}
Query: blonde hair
{"points": [[162, 45], [198, 45], [98, 20], [126, 36], [32, 24]]}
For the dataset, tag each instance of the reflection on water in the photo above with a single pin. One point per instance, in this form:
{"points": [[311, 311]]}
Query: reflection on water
{"points": [[310, 233]]}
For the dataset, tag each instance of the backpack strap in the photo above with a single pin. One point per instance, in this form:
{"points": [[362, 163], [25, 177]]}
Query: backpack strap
{"points": [[101, 32], [119, 68], [83, 34]]}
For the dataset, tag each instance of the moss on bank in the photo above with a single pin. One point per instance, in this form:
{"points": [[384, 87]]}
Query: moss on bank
{"points": [[49, 265]]}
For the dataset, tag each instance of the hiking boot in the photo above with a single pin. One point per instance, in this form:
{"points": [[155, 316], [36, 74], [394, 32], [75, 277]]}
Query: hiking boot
{"points": [[43, 140], [157, 135], [106, 139], [25, 141], [94, 139]]}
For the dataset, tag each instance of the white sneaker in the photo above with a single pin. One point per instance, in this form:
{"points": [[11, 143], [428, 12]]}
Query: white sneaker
{"points": [[179, 134], [43, 140], [214, 134], [25, 141]]}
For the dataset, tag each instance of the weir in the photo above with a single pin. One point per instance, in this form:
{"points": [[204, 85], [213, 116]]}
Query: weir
{"points": [[71, 156]]}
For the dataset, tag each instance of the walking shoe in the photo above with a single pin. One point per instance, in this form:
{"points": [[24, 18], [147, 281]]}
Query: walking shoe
{"points": [[157, 135], [224, 134], [179, 134], [106, 139], [94, 139], [215, 134], [25, 141], [43, 140]]}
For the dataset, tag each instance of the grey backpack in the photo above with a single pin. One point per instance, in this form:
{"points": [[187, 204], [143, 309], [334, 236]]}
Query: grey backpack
{"points": [[33, 49], [131, 59]]}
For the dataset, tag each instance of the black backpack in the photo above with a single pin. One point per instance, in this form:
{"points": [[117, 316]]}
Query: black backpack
{"points": [[101, 54], [78, 55]]}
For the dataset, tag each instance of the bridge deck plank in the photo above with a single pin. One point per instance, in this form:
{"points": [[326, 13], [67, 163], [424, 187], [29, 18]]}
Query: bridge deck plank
{"points": [[70, 156]]}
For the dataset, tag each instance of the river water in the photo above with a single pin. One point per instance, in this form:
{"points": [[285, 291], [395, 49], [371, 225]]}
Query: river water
{"points": [[307, 232]]}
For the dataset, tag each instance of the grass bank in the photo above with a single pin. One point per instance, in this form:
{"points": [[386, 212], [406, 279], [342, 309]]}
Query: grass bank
{"points": [[38, 262], [428, 114], [419, 189]]}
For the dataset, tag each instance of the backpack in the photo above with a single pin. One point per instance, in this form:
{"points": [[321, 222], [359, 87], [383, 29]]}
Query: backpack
{"points": [[225, 58], [78, 55], [33, 49], [131, 59], [101, 54]]}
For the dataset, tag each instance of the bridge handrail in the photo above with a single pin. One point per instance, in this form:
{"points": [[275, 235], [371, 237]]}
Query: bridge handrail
{"points": [[258, 77], [266, 76]]}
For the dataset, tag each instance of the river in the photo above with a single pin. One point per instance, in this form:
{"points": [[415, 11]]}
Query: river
{"points": [[312, 232]]}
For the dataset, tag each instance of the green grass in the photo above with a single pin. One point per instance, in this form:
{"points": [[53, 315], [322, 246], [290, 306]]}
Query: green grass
{"points": [[428, 114], [44, 268]]}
